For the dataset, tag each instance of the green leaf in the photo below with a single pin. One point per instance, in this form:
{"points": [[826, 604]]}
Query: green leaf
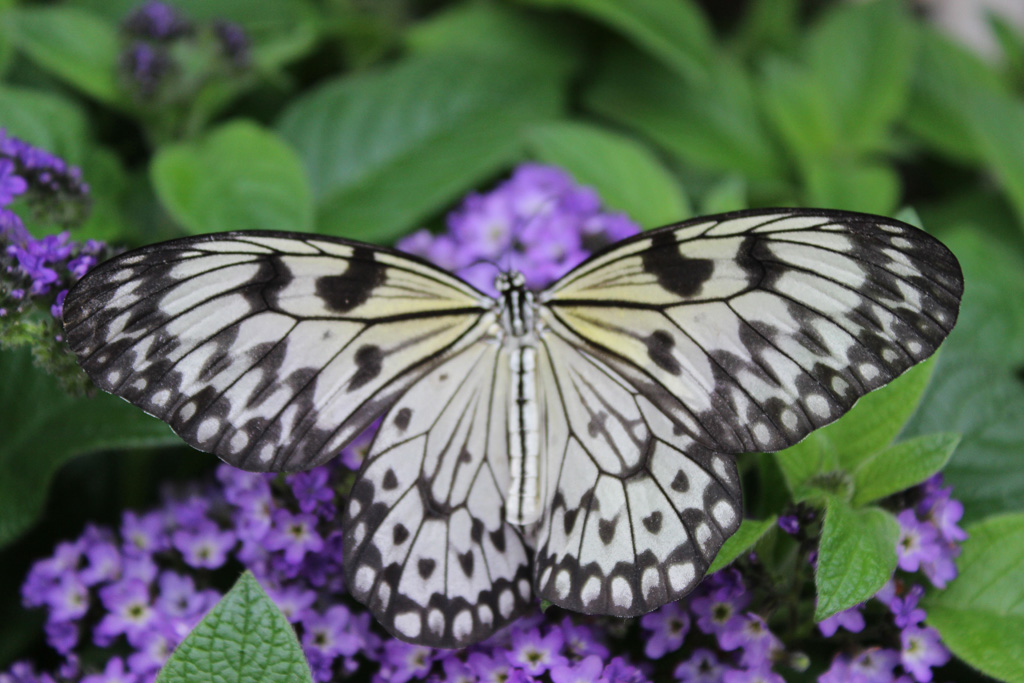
{"points": [[626, 174], [750, 532], [75, 45], [980, 615], [856, 556], [240, 177], [714, 125], [797, 106], [45, 120], [728, 194], [245, 638], [878, 417], [674, 31], [496, 31], [855, 186], [977, 390], [862, 55], [901, 466], [870, 426], [44, 428], [385, 149]]}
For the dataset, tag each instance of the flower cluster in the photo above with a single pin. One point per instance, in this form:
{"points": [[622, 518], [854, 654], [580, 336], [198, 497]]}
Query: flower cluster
{"points": [[38, 270], [138, 590], [155, 34], [538, 222]]}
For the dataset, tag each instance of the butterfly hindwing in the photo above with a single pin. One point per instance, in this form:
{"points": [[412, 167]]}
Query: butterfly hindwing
{"points": [[272, 350], [426, 543], [752, 329], [635, 512]]}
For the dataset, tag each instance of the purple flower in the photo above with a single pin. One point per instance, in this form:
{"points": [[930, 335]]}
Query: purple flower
{"points": [[905, 610], [11, 185], [720, 610], [753, 636], [756, 675], [489, 669], [621, 671], [179, 598], [143, 533], [789, 523], [918, 542], [313, 491], [328, 632], [206, 546], [62, 636], [156, 21], [922, 650], [293, 601], [113, 673], [873, 666], [234, 43], [701, 667], [129, 612], [586, 671], [580, 641], [69, 598], [668, 627], [457, 671], [403, 661], [534, 653], [850, 619], [295, 534], [153, 650], [104, 563]]}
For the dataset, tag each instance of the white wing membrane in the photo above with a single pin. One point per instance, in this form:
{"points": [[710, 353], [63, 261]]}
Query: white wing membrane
{"points": [[755, 328], [271, 350], [635, 512], [426, 545]]}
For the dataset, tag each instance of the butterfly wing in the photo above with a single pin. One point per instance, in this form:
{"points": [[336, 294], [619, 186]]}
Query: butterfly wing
{"points": [[426, 544], [272, 350], [635, 511], [751, 329]]}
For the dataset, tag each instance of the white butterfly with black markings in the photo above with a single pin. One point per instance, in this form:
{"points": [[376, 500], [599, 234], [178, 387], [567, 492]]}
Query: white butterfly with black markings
{"points": [[576, 444]]}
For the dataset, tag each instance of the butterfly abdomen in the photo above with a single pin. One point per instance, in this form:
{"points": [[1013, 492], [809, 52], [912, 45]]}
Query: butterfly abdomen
{"points": [[523, 500]]}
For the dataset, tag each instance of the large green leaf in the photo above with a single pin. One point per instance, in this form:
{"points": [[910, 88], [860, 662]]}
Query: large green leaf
{"points": [[240, 177], [675, 31], [862, 56], [244, 639], [73, 44], [870, 426], [44, 119], [901, 466], [980, 615], [384, 149], [715, 125], [856, 556], [627, 175], [44, 427], [977, 390], [496, 31]]}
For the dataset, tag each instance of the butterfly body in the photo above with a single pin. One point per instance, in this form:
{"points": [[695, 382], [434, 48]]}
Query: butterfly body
{"points": [[576, 444]]}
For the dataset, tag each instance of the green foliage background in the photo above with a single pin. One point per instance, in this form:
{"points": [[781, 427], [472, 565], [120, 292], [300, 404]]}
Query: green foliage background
{"points": [[369, 119]]}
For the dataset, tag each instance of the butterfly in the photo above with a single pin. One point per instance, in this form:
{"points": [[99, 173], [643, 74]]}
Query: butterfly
{"points": [[575, 444]]}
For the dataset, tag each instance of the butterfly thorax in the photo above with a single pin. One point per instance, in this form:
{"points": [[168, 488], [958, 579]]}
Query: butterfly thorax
{"points": [[516, 309]]}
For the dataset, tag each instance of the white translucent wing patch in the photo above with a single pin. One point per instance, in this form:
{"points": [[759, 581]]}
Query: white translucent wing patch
{"points": [[752, 329], [426, 544], [635, 512], [271, 350]]}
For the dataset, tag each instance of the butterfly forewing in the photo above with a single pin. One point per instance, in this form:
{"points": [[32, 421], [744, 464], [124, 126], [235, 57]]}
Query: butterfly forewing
{"points": [[270, 349], [752, 329]]}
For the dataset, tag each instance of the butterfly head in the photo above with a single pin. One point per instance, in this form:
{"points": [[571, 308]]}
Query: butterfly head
{"points": [[509, 280]]}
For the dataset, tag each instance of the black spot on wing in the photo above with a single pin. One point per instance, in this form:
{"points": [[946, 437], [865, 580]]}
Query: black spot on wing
{"points": [[466, 561], [659, 348], [675, 272], [653, 522], [681, 482], [402, 418], [369, 362], [606, 529], [399, 534], [390, 481], [426, 567], [344, 292]]}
